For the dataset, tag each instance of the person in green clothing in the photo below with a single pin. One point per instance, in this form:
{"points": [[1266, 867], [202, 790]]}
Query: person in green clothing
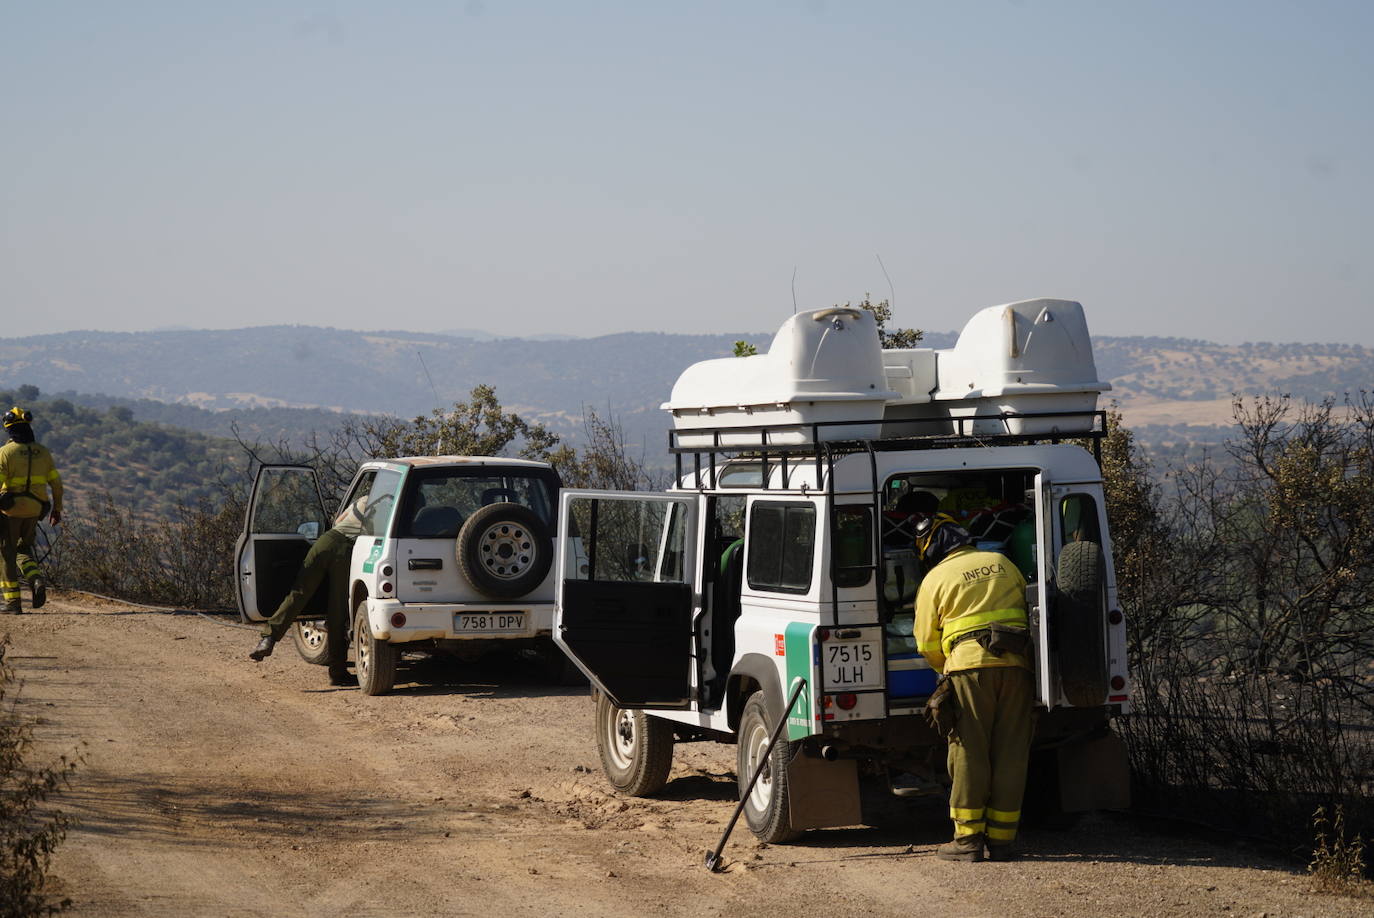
{"points": [[972, 625], [28, 476], [326, 564]]}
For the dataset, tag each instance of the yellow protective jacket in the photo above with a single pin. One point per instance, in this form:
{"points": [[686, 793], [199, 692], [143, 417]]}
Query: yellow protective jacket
{"points": [[967, 591], [29, 467]]}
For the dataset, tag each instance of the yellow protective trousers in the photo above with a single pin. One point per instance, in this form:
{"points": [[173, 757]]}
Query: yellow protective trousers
{"points": [[989, 751], [16, 561]]}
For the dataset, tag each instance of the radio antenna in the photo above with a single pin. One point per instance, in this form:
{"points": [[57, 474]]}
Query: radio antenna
{"points": [[891, 293], [794, 290], [428, 377]]}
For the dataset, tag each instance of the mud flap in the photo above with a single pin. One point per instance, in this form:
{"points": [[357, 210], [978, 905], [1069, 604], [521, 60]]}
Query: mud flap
{"points": [[1094, 775], [822, 794]]}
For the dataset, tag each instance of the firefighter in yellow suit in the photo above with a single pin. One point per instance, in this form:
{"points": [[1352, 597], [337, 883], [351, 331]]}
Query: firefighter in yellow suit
{"points": [[971, 625], [27, 477]]}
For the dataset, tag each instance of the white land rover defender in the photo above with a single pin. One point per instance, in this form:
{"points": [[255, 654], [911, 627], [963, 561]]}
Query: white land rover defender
{"points": [[456, 554], [785, 553]]}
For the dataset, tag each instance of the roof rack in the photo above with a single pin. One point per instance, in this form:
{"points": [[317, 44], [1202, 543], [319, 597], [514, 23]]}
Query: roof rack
{"points": [[762, 442]]}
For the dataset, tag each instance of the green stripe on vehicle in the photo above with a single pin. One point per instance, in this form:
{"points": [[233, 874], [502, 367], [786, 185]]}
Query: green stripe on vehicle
{"points": [[800, 646], [374, 557]]}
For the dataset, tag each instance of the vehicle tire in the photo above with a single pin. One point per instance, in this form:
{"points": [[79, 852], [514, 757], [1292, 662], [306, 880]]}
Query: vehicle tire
{"points": [[504, 550], [312, 641], [766, 807], [636, 749], [1080, 624], [374, 660]]}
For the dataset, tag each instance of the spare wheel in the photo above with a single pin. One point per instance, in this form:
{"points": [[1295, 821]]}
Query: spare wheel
{"points": [[504, 550], [1080, 617]]}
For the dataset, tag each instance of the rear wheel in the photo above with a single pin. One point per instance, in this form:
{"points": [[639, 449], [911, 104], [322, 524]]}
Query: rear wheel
{"points": [[1080, 622], [312, 641], [374, 660], [636, 749], [766, 806]]}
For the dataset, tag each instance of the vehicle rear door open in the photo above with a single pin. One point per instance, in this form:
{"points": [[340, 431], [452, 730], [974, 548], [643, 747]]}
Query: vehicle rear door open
{"points": [[629, 587], [285, 515]]}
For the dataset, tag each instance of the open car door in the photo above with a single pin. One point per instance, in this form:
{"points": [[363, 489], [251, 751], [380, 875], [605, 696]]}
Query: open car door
{"points": [[629, 582], [285, 516]]}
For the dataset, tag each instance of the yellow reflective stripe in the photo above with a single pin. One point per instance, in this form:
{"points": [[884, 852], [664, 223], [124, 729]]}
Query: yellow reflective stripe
{"points": [[1012, 817], [967, 828], [972, 622], [1000, 834], [927, 646], [965, 815], [53, 476]]}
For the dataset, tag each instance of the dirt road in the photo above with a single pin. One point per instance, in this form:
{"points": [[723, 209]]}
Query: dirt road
{"points": [[216, 787]]}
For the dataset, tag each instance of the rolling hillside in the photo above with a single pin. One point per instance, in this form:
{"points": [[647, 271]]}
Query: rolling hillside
{"points": [[282, 381]]}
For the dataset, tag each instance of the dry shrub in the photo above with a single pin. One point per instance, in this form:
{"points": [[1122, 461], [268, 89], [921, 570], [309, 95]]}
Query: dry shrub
{"points": [[29, 833]]}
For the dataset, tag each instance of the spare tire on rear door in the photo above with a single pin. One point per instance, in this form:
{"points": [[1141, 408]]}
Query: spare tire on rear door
{"points": [[1080, 623], [504, 550]]}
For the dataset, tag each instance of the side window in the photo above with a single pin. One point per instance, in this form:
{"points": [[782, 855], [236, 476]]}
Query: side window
{"points": [[381, 502], [1078, 519], [635, 541], [287, 504], [782, 542]]}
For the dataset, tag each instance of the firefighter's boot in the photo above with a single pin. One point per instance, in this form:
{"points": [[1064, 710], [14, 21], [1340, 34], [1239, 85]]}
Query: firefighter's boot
{"points": [[963, 848], [339, 675], [40, 592], [12, 606], [264, 648], [1001, 852]]}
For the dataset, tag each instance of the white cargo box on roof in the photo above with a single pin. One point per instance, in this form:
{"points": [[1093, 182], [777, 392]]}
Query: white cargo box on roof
{"points": [[1030, 357], [825, 366]]}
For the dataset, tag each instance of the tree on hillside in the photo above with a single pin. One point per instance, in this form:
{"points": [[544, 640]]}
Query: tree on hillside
{"points": [[477, 427]]}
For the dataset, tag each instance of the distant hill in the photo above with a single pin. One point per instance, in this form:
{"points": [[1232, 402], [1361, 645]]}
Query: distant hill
{"points": [[277, 381]]}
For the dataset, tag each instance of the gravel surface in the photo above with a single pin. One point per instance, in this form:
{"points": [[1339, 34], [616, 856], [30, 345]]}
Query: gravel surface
{"points": [[214, 786]]}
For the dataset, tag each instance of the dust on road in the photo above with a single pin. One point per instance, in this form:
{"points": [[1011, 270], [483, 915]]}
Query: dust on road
{"points": [[217, 787]]}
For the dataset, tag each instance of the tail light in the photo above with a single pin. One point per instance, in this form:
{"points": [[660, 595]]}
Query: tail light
{"points": [[847, 701], [398, 619]]}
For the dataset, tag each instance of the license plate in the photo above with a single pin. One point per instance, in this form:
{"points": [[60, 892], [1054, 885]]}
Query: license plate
{"points": [[489, 622], [851, 664]]}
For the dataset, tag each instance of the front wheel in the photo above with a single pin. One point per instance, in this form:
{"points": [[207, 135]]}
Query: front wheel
{"points": [[374, 660], [636, 749], [312, 641], [766, 806]]}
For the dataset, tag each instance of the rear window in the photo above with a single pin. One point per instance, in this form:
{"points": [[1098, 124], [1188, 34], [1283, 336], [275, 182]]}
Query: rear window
{"points": [[438, 501]]}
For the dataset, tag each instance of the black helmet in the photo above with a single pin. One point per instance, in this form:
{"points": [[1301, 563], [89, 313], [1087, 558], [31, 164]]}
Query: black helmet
{"points": [[937, 536], [17, 415]]}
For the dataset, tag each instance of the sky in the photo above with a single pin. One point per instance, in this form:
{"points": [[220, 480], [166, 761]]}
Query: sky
{"points": [[1194, 169]]}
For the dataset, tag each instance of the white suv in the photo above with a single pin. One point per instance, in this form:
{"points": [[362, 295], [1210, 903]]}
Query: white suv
{"points": [[456, 554]]}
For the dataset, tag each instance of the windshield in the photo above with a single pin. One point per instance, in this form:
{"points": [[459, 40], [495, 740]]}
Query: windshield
{"points": [[439, 500]]}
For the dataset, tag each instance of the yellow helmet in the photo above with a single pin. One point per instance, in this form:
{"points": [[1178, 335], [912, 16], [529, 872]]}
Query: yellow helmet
{"points": [[17, 415], [938, 535]]}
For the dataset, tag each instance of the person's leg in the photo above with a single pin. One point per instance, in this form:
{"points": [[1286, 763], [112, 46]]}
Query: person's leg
{"points": [[336, 630], [9, 564], [28, 567], [314, 570], [969, 768], [1010, 756]]}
